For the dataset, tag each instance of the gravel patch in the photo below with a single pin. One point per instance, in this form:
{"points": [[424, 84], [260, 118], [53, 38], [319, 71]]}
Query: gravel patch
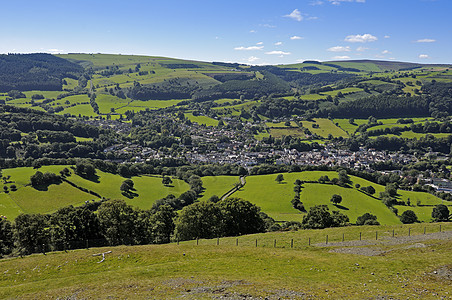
{"points": [[445, 235], [444, 272], [358, 250]]}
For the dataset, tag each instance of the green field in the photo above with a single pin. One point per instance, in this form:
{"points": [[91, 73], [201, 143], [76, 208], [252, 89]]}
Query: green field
{"points": [[326, 127], [30, 200], [274, 198], [217, 185], [201, 120], [208, 271]]}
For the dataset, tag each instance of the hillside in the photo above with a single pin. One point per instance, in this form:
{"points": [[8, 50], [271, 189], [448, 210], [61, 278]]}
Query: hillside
{"points": [[394, 268], [273, 198]]}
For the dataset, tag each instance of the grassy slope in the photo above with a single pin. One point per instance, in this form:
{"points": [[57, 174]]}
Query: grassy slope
{"points": [[30, 200], [274, 198], [207, 271], [217, 185]]}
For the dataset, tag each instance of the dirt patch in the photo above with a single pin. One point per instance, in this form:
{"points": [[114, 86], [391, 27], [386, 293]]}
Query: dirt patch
{"points": [[444, 272]]}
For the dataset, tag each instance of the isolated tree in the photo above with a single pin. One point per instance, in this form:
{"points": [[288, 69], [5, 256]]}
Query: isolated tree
{"points": [[166, 180], [279, 178], [318, 217], [440, 213], [391, 189], [336, 199], [368, 189], [127, 185], [344, 179], [408, 217]]}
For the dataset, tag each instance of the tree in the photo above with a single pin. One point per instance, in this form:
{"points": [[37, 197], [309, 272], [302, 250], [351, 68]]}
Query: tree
{"points": [[391, 189], [127, 185], [368, 189], [200, 220], [440, 213], [240, 217], [162, 221], [344, 179], [367, 219], [6, 236], [318, 217], [31, 233], [336, 199], [166, 180], [116, 219], [279, 178], [408, 217]]}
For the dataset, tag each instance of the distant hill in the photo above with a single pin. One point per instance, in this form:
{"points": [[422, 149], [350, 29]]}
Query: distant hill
{"points": [[386, 65], [38, 71]]}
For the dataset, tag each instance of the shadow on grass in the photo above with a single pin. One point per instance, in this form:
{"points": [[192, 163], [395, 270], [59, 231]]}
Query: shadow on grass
{"points": [[341, 207], [130, 194], [44, 187]]}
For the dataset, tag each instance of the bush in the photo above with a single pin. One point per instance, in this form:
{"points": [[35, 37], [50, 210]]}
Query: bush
{"points": [[367, 219], [408, 217]]}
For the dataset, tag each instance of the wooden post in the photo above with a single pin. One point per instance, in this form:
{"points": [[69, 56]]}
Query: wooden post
{"points": [[274, 244], [309, 243], [393, 233], [218, 241], [343, 236], [256, 242], [87, 244], [236, 242], [326, 242], [376, 235], [197, 241], [440, 228], [291, 243], [360, 236], [424, 230], [178, 240], [409, 231]]}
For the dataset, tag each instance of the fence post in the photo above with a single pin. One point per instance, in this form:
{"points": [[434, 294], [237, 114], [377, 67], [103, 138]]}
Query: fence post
{"points": [[440, 228], [360, 236], [309, 243], [409, 231], [291, 243], [393, 233], [218, 241], [197, 241], [178, 240], [376, 235], [87, 244], [274, 244], [326, 240], [343, 236], [424, 230], [236, 242], [256, 242]]}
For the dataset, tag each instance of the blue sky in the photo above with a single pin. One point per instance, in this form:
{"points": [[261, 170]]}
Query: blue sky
{"points": [[247, 31]]}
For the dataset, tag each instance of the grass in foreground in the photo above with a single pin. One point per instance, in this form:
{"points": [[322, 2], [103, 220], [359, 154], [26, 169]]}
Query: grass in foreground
{"points": [[206, 271]]}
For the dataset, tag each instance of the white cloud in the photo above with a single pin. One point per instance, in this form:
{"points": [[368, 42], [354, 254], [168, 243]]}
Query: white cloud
{"points": [[341, 57], [296, 37], [253, 58], [387, 36], [316, 2], [250, 48], [260, 43], [278, 44], [392, 58], [252, 31], [296, 15], [277, 52], [267, 25], [385, 52], [339, 49], [337, 2], [426, 41], [361, 49], [424, 56], [55, 51], [361, 38]]}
